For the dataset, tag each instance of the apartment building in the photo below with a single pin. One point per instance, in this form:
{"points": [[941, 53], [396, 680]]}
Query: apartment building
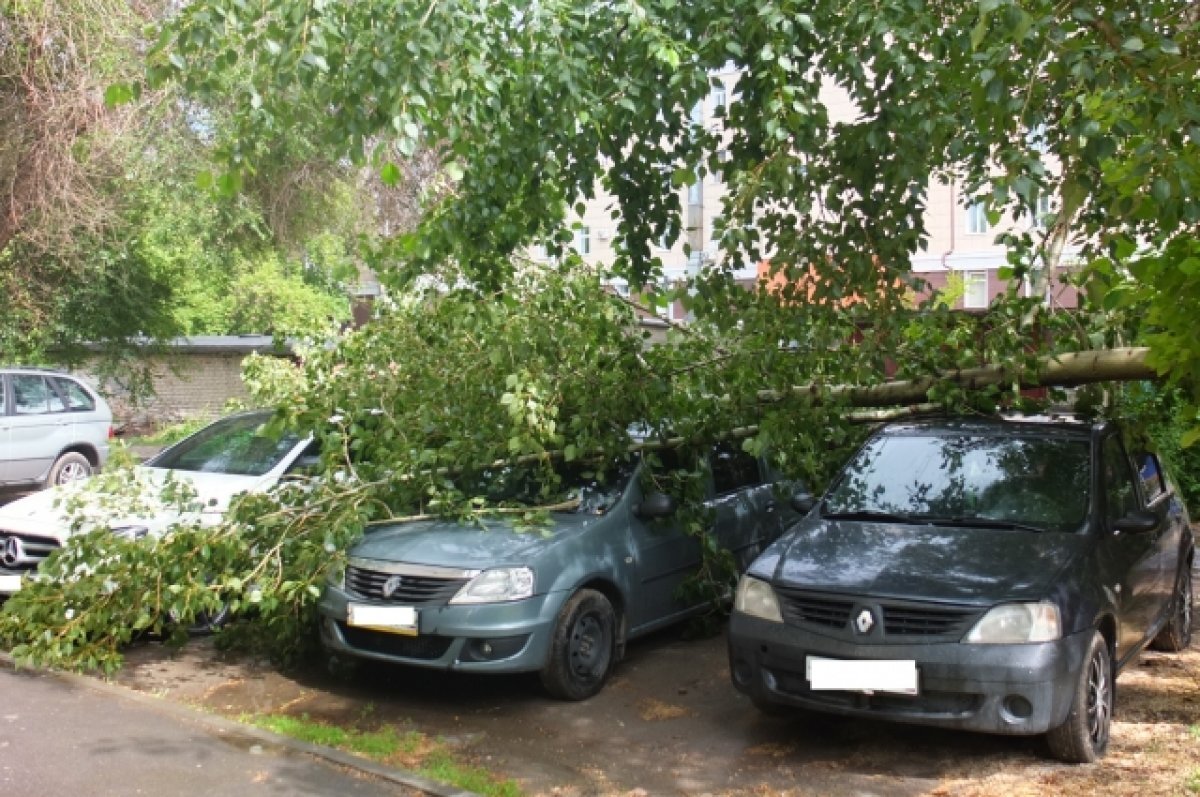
{"points": [[962, 254]]}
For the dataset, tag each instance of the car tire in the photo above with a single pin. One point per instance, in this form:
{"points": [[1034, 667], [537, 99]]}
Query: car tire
{"points": [[70, 467], [1176, 635], [583, 647], [1083, 737]]}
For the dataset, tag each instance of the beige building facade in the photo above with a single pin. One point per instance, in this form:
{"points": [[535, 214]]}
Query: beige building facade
{"points": [[961, 251]]}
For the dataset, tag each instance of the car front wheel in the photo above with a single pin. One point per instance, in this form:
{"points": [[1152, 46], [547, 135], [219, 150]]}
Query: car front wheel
{"points": [[1083, 737], [70, 467], [583, 648]]}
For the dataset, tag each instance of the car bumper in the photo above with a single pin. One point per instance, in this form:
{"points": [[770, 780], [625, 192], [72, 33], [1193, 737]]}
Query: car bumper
{"points": [[501, 637], [1005, 689]]}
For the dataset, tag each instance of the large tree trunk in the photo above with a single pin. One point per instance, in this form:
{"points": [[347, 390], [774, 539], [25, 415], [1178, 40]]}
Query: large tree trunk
{"points": [[1062, 370]]}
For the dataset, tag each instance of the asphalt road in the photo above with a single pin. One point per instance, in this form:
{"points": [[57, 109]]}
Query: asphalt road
{"points": [[58, 739]]}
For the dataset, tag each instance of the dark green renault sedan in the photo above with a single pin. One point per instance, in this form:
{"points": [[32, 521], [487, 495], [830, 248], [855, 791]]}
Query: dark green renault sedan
{"points": [[986, 575], [561, 599]]}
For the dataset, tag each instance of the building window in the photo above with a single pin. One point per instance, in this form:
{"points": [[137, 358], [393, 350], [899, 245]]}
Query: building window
{"points": [[975, 289], [696, 192], [583, 240], [718, 95], [698, 114], [977, 222], [664, 241], [1042, 209], [1034, 284]]}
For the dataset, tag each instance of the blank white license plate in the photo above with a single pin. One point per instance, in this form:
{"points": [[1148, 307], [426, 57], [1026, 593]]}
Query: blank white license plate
{"points": [[870, 675], [10, 584], [392, 619]]}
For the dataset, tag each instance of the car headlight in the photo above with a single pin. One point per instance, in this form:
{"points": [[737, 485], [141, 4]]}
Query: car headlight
{"points": [[495, 586], [1014, 623], [757, 599], [130, 532]]}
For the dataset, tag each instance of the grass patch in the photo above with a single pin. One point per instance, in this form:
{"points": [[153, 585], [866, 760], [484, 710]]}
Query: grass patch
{"points": [[1194, 731], [1192, 784], [415, 751]]}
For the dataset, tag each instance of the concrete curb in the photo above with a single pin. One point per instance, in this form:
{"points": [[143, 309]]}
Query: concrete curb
{"points": [[220, 725]]}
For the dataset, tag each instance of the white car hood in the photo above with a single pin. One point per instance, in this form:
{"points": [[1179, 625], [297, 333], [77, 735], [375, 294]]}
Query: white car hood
{"points": [[37, 514]]}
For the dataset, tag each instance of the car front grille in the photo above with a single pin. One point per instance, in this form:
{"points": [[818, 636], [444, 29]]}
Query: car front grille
{"points": [[909, 620], [801, 608], [23, 552], [901, 620], [400, 587], [425, 648]]}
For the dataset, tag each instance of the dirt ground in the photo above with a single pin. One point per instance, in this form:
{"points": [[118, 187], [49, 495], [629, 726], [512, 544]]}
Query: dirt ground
{"points": [[670, 723]]}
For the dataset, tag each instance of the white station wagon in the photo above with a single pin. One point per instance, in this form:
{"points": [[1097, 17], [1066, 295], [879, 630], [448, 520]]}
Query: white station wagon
{"points": [[54, 429]]}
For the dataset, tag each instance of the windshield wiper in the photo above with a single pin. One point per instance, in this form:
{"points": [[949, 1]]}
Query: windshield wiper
{"points": [[867, 514], [979, 523]]}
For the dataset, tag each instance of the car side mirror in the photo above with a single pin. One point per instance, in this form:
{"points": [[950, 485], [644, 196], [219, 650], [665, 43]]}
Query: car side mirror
{"points": [[803, 502], [1139, 521], [655, 505]]}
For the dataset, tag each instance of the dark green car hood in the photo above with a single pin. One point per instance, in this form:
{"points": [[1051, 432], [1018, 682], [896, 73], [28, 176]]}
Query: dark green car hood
{"points": [[449, 544], [919, 562]]}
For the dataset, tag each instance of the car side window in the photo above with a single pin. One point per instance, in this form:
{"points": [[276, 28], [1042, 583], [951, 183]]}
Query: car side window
{"points": [[733, 469], [1120, 497], [77, 399], [3, 397], [1151, 476], [32, 395]]}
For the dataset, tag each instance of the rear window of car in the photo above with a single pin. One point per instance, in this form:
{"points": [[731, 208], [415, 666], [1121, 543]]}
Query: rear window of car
{"points": [[77, 399], [1043, 482]]}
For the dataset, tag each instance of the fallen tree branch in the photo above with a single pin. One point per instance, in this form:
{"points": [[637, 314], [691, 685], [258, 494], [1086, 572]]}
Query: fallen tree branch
{"points": [[1061, 370]]}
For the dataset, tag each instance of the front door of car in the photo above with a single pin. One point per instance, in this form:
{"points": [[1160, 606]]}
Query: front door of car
{"points": [[1158, 499], [665, 553], [741, 513], [1133, 557]]}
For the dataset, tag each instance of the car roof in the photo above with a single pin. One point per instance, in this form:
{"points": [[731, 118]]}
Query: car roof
{"points": [[998, 425], [32, 369]]}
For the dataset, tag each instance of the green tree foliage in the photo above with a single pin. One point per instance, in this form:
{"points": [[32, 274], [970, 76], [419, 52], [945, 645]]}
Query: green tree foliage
{"points": [[105, 232], [537, 105]]}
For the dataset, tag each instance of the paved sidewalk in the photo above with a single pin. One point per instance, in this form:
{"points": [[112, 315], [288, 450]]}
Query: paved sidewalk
{"points": [[61, 736]]}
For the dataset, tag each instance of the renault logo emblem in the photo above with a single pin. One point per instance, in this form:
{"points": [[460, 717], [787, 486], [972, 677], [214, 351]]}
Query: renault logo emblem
{"points": [[864, 622], [391, 585], [13, 552]]}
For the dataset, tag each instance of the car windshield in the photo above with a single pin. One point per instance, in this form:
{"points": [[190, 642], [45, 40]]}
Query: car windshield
{"points": [[967, 480], [595, 489], [237, 446]]}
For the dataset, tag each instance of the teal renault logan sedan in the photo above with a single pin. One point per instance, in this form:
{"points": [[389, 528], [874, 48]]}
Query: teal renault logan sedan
{"points": [[560, 599]]}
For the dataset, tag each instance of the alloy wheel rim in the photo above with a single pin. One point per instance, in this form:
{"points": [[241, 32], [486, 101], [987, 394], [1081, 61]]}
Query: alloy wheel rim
{"points": [[72, 471], [1099, 704]]}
